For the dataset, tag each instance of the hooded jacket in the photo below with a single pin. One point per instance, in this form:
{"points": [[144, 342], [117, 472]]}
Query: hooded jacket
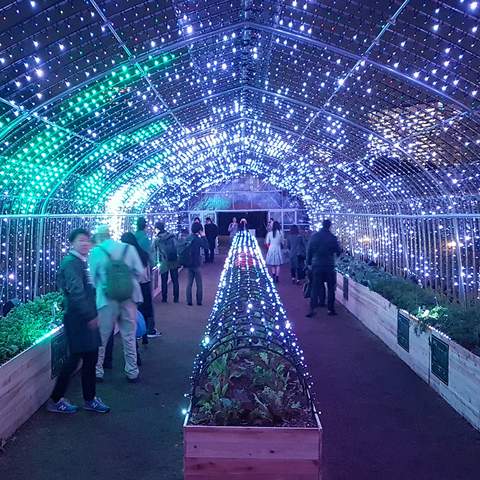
{"points": [[159, 244]]}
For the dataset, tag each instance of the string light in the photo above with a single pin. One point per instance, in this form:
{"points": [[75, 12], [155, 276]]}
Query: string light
{"points": [[143, 111], [248, 312]]}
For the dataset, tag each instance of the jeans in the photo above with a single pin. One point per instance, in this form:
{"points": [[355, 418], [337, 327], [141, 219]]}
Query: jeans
{"points": [[317, 297], [174, 277], [194, 274], [88, 375], [210, 253], [125, 314]]}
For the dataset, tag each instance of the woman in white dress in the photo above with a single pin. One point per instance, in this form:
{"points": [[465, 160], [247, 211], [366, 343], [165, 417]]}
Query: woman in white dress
{"points": [[274, 243], [233, 228]]}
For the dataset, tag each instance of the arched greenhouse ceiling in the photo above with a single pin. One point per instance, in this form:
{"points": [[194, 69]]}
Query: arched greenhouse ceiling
{"points": [[352, 105]]}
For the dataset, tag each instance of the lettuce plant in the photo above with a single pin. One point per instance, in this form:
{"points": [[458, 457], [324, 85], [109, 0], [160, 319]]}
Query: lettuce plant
{"points": [[29, 322]]}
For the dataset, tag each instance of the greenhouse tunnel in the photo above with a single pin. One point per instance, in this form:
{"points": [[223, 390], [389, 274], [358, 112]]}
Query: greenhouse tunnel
{"points": [[365, 112]]}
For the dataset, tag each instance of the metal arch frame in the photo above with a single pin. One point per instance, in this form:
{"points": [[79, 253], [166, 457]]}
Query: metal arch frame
{"points": [[285, 98], [132, 58], [133, 129], [241, 88], [176, 45], [295, 154], [264, 155], [278, 161], [262, 92]]}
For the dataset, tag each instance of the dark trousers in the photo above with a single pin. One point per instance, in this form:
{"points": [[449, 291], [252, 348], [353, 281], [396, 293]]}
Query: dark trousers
{"points": [[319, 279], [146, 308], [194, 274], [88, 375], [108, 360], [297, 267], [174, 277], [210, 253]]}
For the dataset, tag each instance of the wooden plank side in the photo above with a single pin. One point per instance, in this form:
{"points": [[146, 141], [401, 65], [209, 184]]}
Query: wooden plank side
{"points": [[304, 446], [252, 452], [250, 476], [235, 466], [25, 384]]}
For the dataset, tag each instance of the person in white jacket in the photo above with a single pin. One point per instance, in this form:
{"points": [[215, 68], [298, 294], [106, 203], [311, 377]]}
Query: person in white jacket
{"points": [[111, 311]]}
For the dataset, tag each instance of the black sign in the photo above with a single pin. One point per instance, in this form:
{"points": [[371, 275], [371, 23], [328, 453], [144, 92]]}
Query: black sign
{"points": [[439, 359], [403, 331], [345, 287], [59, 350]]}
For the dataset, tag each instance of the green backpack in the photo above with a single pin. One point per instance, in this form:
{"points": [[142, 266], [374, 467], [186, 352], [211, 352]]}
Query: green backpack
{"points": [[119, 278]]}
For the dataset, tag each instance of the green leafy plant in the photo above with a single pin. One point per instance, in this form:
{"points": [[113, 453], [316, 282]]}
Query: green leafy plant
{"points": [[27, 323], [459, 322], [251, 387]]}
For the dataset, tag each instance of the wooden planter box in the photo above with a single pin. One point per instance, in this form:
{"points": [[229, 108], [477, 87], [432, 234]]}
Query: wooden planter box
{"points": [[252, 453], [460, 384], [25, 384]]}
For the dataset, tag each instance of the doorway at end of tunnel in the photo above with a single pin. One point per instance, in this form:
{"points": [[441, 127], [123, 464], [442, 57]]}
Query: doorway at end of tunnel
{"points": [[255, 219]]}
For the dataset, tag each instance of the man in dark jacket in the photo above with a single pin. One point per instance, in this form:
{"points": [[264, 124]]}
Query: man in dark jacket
{"points": [[81, 327], [198, 241], [321, 252], [211, 232], [165, 246]]}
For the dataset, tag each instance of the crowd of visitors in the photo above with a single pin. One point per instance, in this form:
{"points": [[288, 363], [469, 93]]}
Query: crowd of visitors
{"points": [[107, 287], [311, 259]]}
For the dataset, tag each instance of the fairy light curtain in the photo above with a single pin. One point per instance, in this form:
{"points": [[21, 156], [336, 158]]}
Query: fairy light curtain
{"points": [[125, 106]]}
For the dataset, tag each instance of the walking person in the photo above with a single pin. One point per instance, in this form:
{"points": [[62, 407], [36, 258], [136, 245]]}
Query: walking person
{"points": [[274, 243], [211, 233], [145, 280], [321, 252], [196, 241], [205, 250], [81, 327], [116, 268], [146, 253], [142, 238], [243, 225], [233, 228], [165, 247], [298, 253]]}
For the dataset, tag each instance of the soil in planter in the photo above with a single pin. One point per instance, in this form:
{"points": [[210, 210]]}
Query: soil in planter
{"points": [[251, 388]]}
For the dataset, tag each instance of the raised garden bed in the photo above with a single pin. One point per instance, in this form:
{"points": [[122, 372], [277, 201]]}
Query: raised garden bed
{"points": [[251, 414], [252, 453], [449, 368], [32, 350]]}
